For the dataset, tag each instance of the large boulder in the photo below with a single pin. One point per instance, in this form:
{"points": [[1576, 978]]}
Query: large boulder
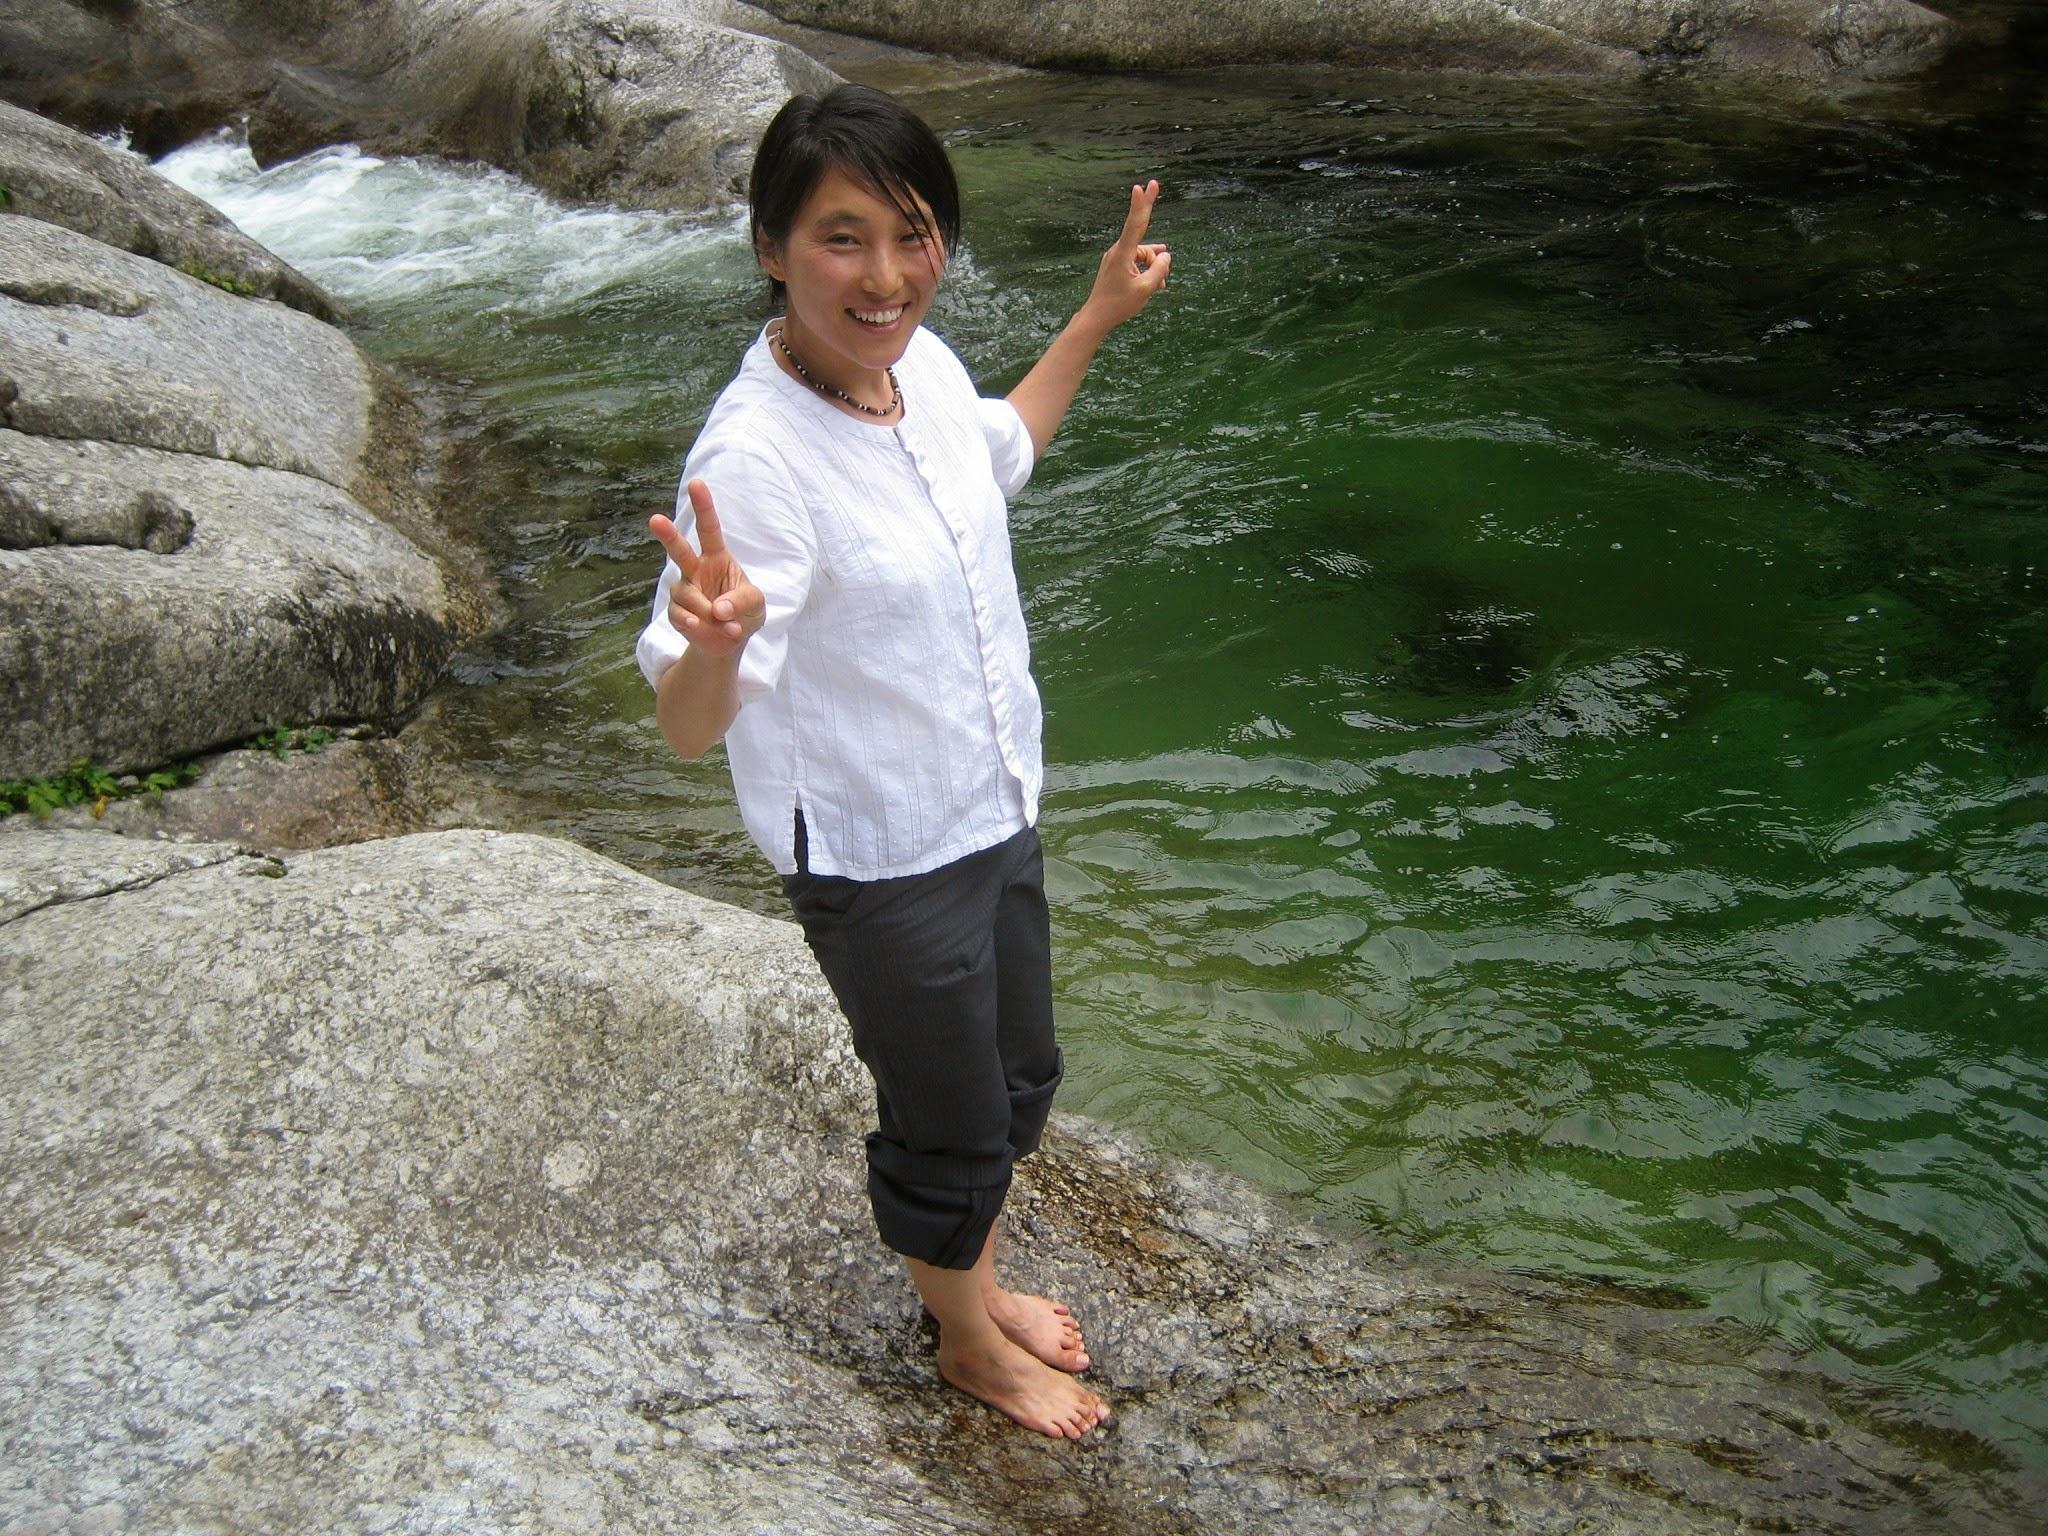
{"points": [[63, 177], [1806, 37], [652, 102], [109, 346], [211, 517], [470, 1181]]}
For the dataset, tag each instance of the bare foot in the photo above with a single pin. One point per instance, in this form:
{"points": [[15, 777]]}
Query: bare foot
{"points": [[1032, 1393], [1039, 1327]]}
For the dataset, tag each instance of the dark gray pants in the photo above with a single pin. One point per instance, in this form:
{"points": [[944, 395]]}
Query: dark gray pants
{"points": [[946, 979]]}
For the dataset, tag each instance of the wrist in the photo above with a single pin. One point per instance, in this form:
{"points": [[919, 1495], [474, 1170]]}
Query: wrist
{"points": [[1091, 324]]}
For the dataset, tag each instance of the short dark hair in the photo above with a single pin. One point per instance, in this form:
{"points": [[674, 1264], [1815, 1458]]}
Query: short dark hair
{"points": [[869, 135]]}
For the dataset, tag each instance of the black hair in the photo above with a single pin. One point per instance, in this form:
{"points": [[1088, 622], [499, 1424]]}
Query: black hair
{"points": [[873, 138]]}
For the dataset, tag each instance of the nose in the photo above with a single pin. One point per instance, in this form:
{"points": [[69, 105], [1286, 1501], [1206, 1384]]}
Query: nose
{"points": [[880, 273]]}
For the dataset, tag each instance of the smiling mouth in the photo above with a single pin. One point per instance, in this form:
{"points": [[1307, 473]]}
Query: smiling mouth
{"points": [[878, 318]]}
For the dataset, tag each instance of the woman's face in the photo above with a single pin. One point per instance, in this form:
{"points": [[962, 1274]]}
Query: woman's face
{"points": [[859, 280]]}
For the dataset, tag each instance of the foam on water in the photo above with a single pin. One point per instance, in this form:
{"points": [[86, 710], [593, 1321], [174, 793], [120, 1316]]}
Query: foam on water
{"points": [[395, 233]]}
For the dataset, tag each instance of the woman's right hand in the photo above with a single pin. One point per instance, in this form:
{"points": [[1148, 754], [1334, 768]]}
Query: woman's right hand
{"points": [[713, 605]]}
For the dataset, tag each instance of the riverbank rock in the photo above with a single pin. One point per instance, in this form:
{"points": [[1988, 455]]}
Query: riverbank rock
{"points": [[655, 103], [213, 513], [1799, 37], [471, 1181], [363, 784], [62, 177]]}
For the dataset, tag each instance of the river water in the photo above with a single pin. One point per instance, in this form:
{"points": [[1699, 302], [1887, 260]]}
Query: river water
{"points": [[1542, 631]]}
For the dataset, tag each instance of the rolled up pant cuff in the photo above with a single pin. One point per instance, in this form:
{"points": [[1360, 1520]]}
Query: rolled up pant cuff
{"points": [[1029, 1108], [933, 1207]]}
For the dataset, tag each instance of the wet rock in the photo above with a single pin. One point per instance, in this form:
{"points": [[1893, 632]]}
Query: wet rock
{"points": [[472, 1181], [355, 788], [215, 515], [652, 102], [62, 177], [1807, 37]]}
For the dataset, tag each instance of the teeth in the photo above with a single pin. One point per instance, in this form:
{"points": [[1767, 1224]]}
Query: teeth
{"points": [[878, 316]]}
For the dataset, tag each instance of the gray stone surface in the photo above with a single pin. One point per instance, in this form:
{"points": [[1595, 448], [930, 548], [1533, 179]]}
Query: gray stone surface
{"points": [[471, 1182], [288, 603], [361, 785], [1803, 37], [62, 177], [654, 102], [214, 516], [677, 100], [105, 345]]}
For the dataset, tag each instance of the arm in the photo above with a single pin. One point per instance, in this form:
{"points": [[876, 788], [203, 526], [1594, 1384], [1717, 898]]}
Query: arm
{"points": [[697, 700], [1131, 272], [716, 609]]}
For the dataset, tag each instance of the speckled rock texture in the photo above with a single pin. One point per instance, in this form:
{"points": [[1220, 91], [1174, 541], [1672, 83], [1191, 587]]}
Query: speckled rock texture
{"points": [[655, 103], [117, 348], [187, 559], [471, 1182], [1798, 37], [364, 784], [62, 177], [215, 512]]}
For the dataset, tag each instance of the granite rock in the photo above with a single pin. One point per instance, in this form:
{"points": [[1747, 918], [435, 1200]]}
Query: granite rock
{"points": [[471, 1181], [653, 102], [118, 348], [212, 519], [1795, 37], [62, 177]]}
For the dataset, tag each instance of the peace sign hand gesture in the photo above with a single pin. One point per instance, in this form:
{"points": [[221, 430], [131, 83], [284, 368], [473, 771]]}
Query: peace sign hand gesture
{"points": [[1131, 271], [713, 606]]}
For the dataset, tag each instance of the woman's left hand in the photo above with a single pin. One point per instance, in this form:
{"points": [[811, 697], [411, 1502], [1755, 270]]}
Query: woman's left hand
{"points": [[1131, 271]]}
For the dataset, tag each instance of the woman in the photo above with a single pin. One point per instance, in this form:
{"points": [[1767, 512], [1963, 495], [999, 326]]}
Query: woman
{"points": [[847, 619]]}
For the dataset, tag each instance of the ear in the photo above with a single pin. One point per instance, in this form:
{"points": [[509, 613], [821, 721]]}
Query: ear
{"points": [[769, 255]]}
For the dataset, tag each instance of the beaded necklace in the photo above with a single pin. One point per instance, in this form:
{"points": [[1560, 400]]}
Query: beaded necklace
{"points": [[895, 390]]}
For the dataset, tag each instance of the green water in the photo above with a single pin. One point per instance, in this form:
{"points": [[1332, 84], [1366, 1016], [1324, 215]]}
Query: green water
{"points": [[1542, 633]]}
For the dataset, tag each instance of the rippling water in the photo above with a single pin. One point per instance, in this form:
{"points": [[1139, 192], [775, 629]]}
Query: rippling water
{"points": [[1543, 636]]}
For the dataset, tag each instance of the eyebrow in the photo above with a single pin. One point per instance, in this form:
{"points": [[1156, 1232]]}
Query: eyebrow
{"points": [[847, 216]]}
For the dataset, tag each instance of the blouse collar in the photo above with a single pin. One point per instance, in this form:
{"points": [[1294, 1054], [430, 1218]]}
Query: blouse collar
{"points": [[761, 356]]}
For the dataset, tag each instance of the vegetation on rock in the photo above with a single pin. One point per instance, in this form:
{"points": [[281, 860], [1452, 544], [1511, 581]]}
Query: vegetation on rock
{"points": [[86, 783]]}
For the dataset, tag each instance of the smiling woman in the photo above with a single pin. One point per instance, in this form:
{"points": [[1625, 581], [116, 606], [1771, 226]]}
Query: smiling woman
{"points": [[868, 272], [850, 625]]}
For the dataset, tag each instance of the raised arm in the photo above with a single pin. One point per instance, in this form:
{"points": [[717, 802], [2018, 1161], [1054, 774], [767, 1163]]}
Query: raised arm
{"points": [[716, 609], [1131, 272]]}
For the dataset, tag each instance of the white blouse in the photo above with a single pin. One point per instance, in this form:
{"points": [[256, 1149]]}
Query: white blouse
{"points": [[888, 691]]}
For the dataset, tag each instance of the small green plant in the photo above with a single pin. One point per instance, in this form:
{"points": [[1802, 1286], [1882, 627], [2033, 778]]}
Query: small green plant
{"points": [[226, 281], [86, 783], [168, 778], [6, 197], [284, 738]]}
